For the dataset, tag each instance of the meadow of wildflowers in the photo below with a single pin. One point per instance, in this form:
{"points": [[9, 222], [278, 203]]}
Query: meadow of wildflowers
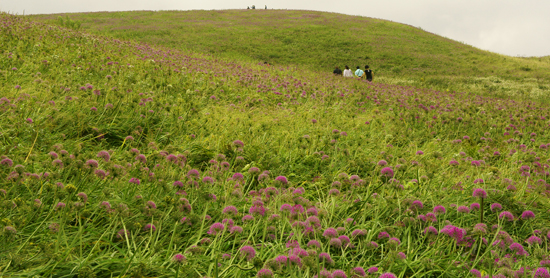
{"points": [[398, 53], [126, 159]]}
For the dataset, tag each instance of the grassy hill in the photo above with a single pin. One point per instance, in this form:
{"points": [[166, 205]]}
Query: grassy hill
{"points": [[318, 40], [398, 53], [125, 159]]}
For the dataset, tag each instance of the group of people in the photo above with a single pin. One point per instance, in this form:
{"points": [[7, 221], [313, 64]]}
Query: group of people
{"points": [[254, 7], [366, 74]]}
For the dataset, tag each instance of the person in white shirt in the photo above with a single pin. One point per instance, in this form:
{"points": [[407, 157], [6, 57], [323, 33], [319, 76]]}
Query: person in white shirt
{"points": [[348, 72]]}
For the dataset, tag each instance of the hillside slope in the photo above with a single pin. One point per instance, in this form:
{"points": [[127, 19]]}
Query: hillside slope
{"points": [[121, 159], [317, 40]]}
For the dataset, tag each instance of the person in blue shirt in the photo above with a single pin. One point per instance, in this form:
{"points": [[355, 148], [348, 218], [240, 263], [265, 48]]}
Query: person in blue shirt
{"points": [[359, 73]]}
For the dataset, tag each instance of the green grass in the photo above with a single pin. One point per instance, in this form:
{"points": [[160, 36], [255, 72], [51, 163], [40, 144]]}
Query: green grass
{"points": [[318, 41], [68, 96]]}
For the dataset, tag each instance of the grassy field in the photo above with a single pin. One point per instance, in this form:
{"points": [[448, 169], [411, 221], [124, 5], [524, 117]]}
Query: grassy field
{"points": [[399, 54], [127, 159]]}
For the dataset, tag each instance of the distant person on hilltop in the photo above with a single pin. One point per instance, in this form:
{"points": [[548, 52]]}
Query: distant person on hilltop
{"points": [[368, 73], [337, 71], [253, 7], [266, 7], [348, 72], [359, 72], [248, 7]]}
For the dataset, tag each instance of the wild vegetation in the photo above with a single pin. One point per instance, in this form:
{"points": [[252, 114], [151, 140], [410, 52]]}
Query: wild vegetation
{"points": [[399, 54], [119, 158]]}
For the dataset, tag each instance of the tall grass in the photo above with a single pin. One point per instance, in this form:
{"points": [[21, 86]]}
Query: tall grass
{"points": [[125, 159]]}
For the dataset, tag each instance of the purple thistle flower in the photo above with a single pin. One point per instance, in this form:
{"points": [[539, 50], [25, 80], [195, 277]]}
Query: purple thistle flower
{"points": [[238, 143], [454, 163], [193, 173], [453, 232], [257, 210], [293, 259], [134, 181], [419, 152], [281, 259], [105, 155], [520, 251], [330, 233], [430, 230], [532, 240], [402, 255], [394, 241], [216, 228], [463, 209], [416, 205], [541, 272], [7, 162], [264, 273], [496, 207], [237, 176], [388, 275], [439, 209], [82, 196], [344, 239], [335, 242], [151, 205], [527, 215], [382, 235], [359, 271], [324, 257], [179, 258], [382, 163], [248, 252], [282, 180], [247, 217], [254, 170], [480, 228], [479, 192], [172, 158], [372, 270], [208, 180], [506, 214], [92, 163], [314, 243], [476, 273], [150, 227], [474, 206], [230, 210], [372, 245], [60, 205], [339, 274], [357, 233], [545, 263], [387, 172], [101, 173], [141, 158]]}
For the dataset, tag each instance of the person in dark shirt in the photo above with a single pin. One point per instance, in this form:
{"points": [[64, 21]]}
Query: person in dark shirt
{"points": [[368, 73], [337, 71]]}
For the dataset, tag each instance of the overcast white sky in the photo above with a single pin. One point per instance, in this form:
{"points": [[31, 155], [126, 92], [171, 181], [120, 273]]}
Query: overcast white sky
{"points": [[515, 28]]}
